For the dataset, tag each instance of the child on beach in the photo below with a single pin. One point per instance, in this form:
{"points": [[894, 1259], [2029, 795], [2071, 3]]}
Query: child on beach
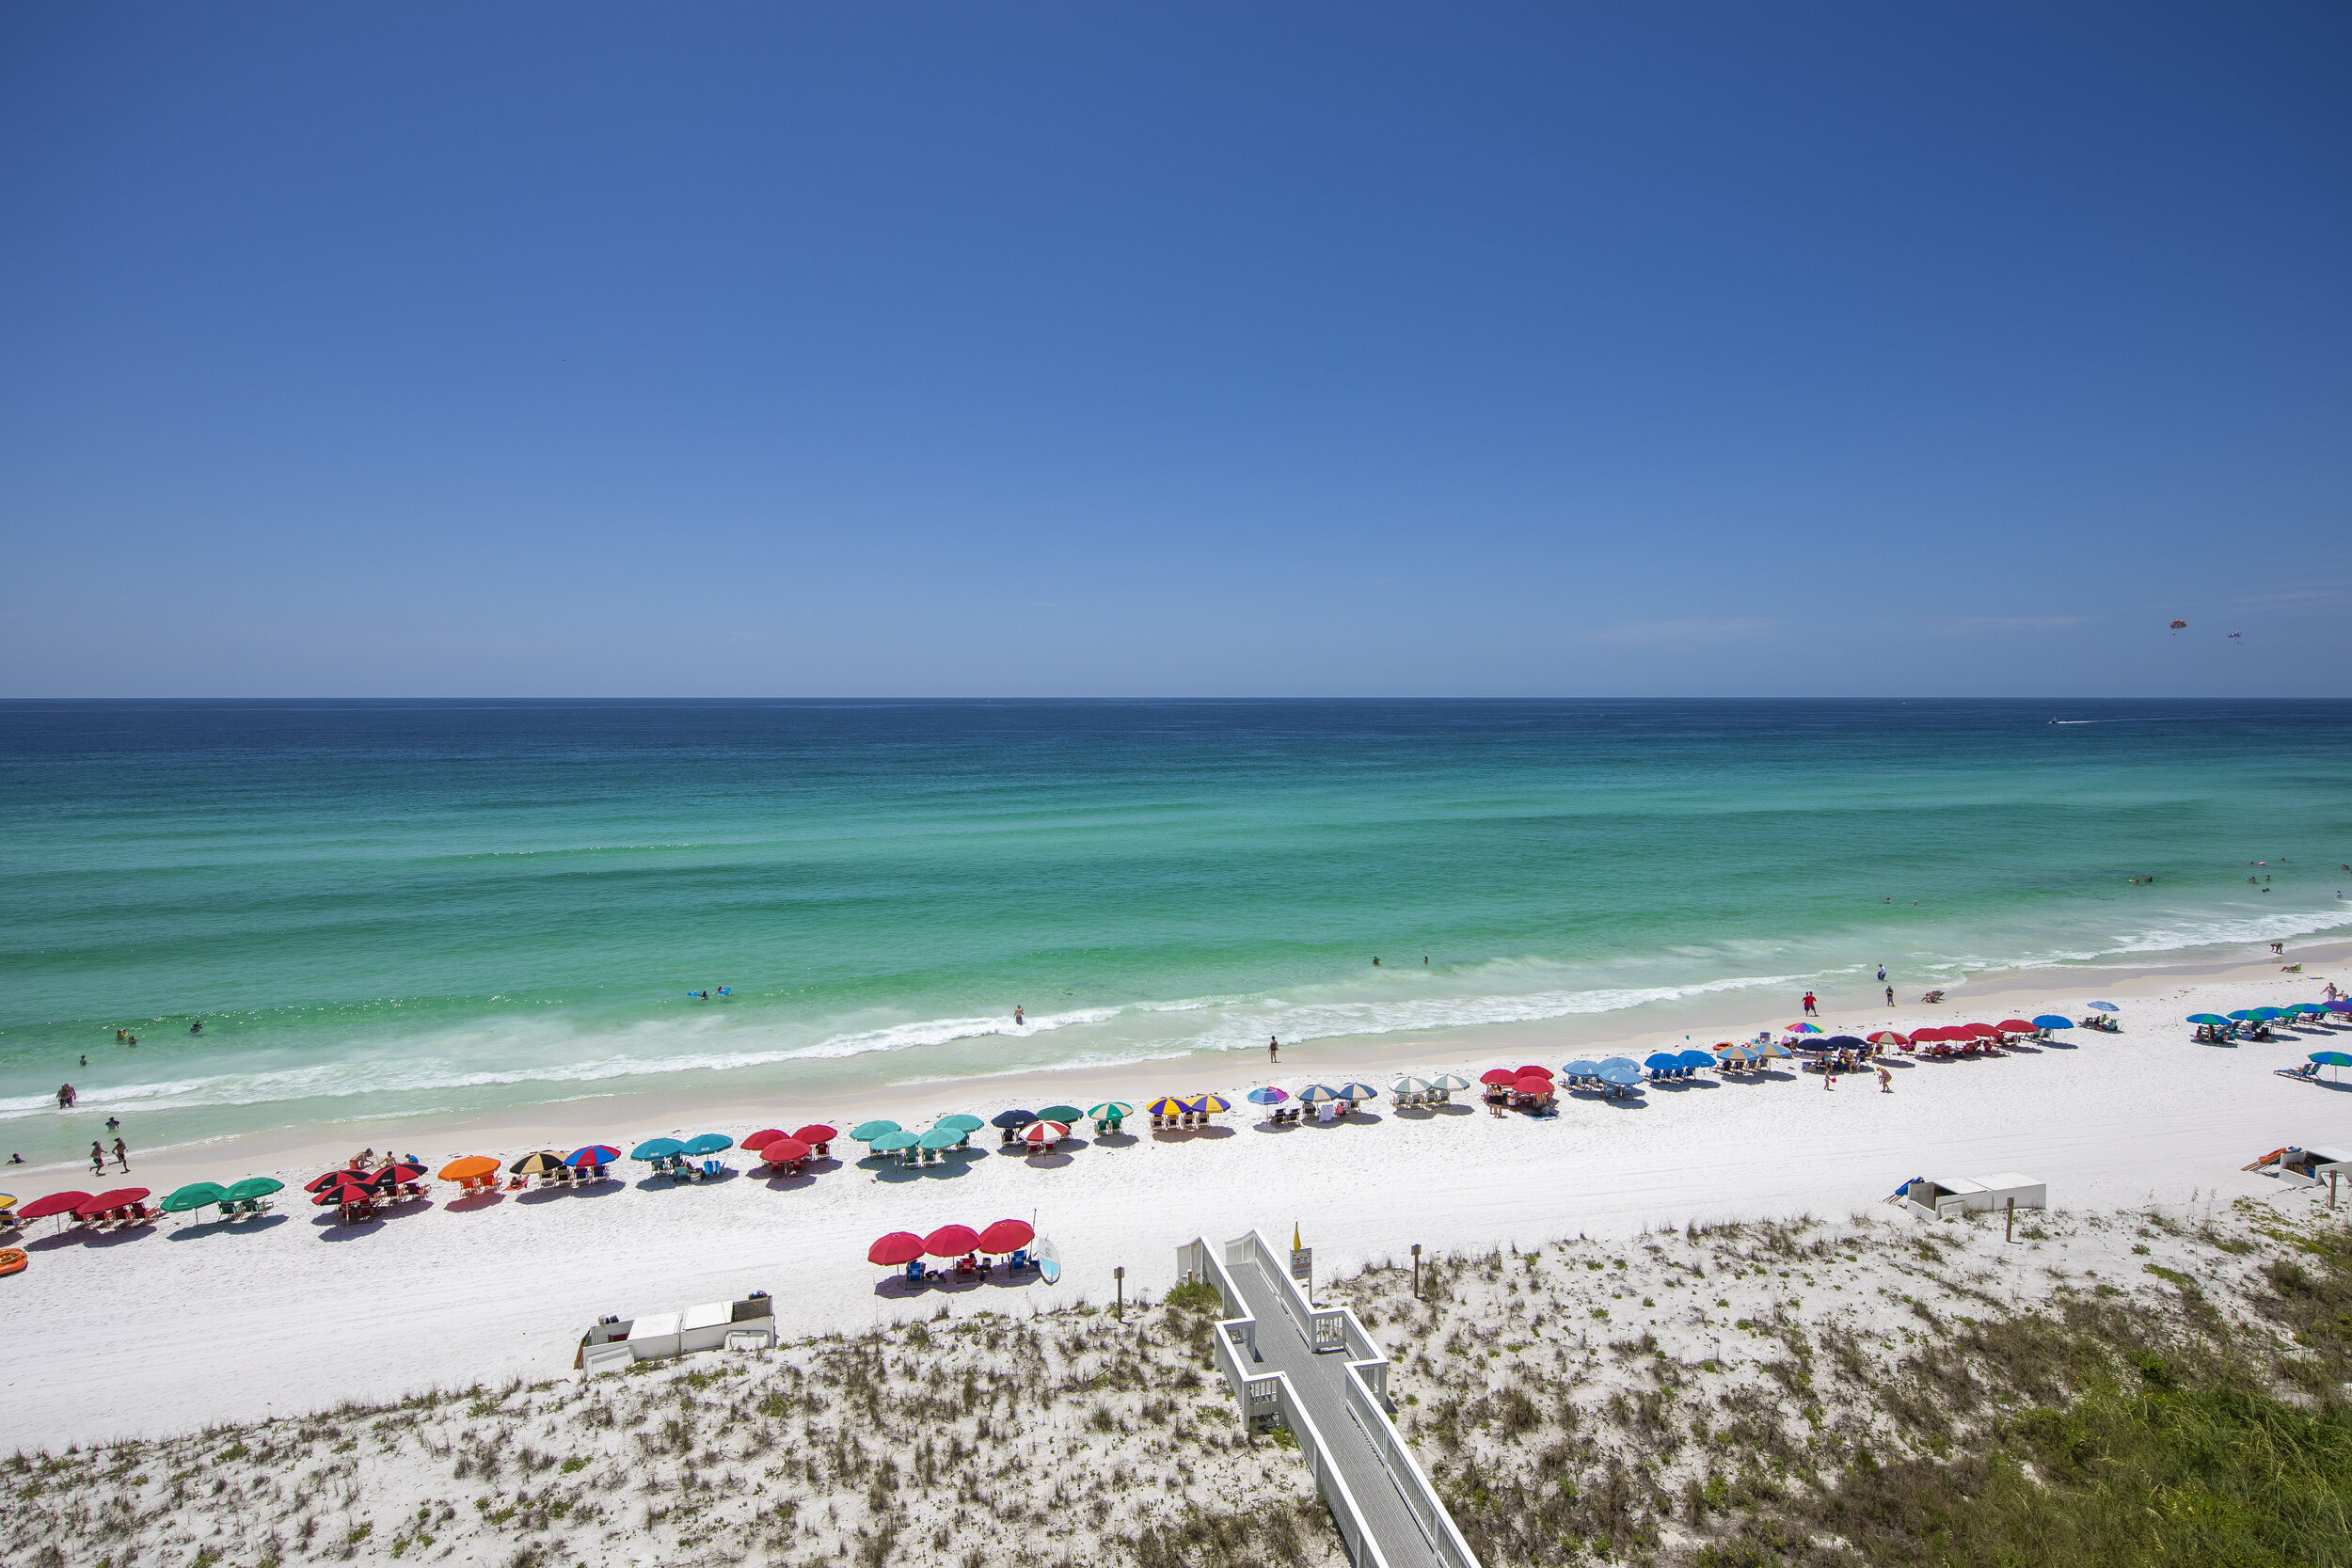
{"points": [[1887, 1081]]}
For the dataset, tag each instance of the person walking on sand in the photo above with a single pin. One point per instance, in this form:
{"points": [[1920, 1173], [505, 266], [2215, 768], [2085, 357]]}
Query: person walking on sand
{"points": [[97, 1159], [1887, 1081], [1273, 1048], [1829, 1076], [1808, 1005], [123, 1155]]}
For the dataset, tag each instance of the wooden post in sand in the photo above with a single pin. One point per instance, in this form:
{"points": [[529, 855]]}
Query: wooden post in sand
{"points": [[1119, 1279], [2009, 1230], [1416, 1262], [2332, 1189]]}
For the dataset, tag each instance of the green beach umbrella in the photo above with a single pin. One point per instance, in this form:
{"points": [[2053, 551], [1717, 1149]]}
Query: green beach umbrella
{"points": [[885, 1143], [253, 1187], [1111, 1110], [960, 1123], [940, 1137], [196, 1195], [1409, 1086], [1448, 1083], [2213, 1021], [867, 1133], [1061, 1112]]}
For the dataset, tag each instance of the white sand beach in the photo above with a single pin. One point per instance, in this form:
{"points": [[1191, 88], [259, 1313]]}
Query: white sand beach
{"points": [[167, 1329]]}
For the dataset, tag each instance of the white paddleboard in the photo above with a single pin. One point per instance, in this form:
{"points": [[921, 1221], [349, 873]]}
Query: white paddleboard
{"points": [[1048, 1258]]}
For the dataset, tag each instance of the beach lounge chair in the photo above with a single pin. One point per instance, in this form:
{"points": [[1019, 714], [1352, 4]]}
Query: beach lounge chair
{"points": [[1019, 1260], [2308, 1069], [710, 1170], [914, 1272]]}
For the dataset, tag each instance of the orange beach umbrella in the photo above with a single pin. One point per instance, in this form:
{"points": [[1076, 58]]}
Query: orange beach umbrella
{"points": [[471, 1168]]}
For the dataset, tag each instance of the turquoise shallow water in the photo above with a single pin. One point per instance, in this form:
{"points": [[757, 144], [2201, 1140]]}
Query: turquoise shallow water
{"points": [[390, 908]]}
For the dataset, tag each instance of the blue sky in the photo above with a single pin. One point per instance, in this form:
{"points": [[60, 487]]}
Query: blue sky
{"points": [[1244, 350]]}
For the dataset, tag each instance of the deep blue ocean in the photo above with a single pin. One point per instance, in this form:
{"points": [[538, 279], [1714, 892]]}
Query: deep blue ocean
{"points": [[384, 908]]}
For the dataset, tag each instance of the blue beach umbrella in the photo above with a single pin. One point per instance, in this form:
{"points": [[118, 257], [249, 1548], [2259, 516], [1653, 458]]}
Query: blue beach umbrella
{"points": [[2268, 1013], [1267, 1096], [1662, 1061], [1622, 1075], [1696, 1059], [2052, 1021], [708, 1143], [2211, 1020], [2331, 1058], [1012, 1118], [1844, 1043], [594, 1154], [1577, 1072], [1317, 1094], [1607, 1062], [1360, 1091], [2247, 1014], [657, 1149], [1769, 1048], [2104, 1007]]}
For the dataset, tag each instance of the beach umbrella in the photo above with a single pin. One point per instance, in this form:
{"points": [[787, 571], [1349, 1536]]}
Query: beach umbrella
{"points": [[782, 1151], [350, 1192], [1536, 1086], [1979, 1031], [961, 1122], [816, 1132], [657, 1149], [1624, 1077], [2052, 1021], [1843, 1042], [952, 1241], [1497, 1075], [1735, 1053], [1070, 1113], [1212, 1104], [1112, 1110], [757, 1140], [1448, 1082], [2211, 1020], [2247, 1014], [896, 1250], [708, 1143], [1580, 1071], [866, 1131], [1044, 1134], [1607, 1062], [1366, 1092], [890, 1143], [1769, 1048], [1168, 1105], [1267, 1096], [56, 1203], [1317, 1094], [2339, 1006], [262, 1186], [1531, 1071], [1006, 1236], [1802, 1029], [2268, 1013], [2104, 1007], [544, 1162], [1694, 1059], [593, 1154], [2331, 1058], [1408, 1086], [118, 1197], [397, 1174], [333, 1178], [1008, 1118], [1888, 1037], [2014, 1026], [1661, 1061], [940, 1137], [471, 1168]]}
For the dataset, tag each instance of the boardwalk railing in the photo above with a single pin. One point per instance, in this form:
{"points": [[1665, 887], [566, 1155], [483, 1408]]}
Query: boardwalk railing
{"points": [[1364, 1380]]}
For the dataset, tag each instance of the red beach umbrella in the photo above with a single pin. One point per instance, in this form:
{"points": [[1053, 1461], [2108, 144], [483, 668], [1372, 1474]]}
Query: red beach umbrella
{"points": [[1006, 1236], [1537, 1083], [816, 1133], [1980, 1031], [2016, 1026], [757, 1140], [1534, 1072], [781, 1150], [1888, 1037], [1929, 1035], [1497, 1075], [333, 1178], [122, 1197], [952, 1241], [398, 1172], [896, 1250], [1044, 1133], [56, 1203], [350, 1192]]}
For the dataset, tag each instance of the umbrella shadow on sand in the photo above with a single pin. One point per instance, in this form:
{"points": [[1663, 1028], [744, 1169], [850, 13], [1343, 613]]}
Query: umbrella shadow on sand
{"points": [[224, 1228], [473, 1203], [1117, 1140], [784, 1182], [69, 1237], [1430, 1113], [335, 1231]]}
